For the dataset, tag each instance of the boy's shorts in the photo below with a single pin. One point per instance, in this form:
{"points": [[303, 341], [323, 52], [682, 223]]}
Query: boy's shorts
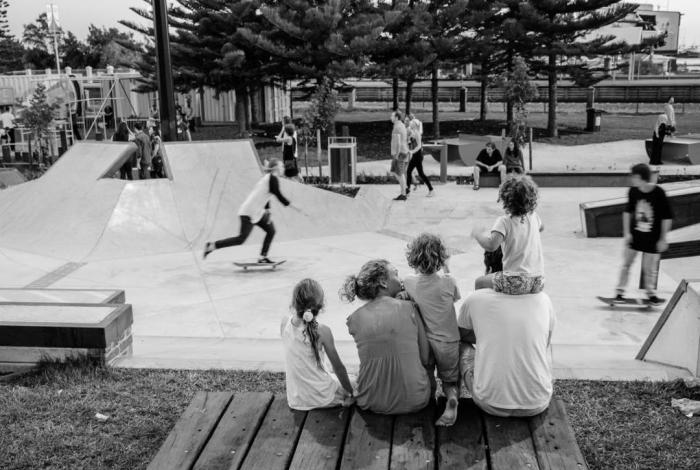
{"points": [[445, 355], [512, 283]]}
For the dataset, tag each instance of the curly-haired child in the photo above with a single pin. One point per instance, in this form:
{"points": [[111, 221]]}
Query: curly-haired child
{"points": [[518, 234], [435, 294], [306, 344]]}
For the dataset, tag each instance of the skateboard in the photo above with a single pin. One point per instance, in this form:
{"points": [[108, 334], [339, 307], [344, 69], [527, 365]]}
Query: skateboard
{"points": [[613, 302], [254, 264]]}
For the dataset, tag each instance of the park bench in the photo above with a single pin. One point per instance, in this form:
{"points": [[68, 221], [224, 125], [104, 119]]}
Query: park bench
{"points": [[222, 430]]}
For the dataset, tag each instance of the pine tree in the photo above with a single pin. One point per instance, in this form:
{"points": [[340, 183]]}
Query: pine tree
{"points": [[4, 25], [560, 27]]}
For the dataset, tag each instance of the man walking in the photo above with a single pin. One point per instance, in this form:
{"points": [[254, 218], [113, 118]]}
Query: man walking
{"points": [[645, 223], [399, 152], [143, 142]]}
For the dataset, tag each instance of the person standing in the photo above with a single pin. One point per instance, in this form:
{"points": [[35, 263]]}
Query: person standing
{"points": [[671, 114], [289, 149], [645, 223], [143, 142], [414, 121], [255, 210], [399, 152], [489, 161], [415, 145], [157, 165], [8, 125], [661, 130], [122, 135]]}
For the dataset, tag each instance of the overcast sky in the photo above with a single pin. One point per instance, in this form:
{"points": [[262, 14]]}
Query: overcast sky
{"points": [[76, 15]]}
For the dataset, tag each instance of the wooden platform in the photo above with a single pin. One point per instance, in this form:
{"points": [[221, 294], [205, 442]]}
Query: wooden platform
{"points": [[220, 430], [552, 179]]}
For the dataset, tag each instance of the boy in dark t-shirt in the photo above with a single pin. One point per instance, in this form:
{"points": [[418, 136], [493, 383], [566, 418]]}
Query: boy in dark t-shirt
{"points": [[645, 223], [489, 160]]}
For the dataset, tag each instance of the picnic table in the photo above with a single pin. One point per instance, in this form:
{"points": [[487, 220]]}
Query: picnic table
{"points": [[258, 430]]}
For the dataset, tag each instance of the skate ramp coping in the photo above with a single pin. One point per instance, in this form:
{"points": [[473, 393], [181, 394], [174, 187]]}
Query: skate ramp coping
{"points": [[675, 339]]}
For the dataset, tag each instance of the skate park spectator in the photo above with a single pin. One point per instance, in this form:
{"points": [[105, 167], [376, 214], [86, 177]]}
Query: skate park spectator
{"points": [[8, 125], [517, 232], [505, 354], [255, 210], [289, 152], [413, 120], [399, 152], [670, 114], [435, 293], [122, 135], [143, 154], [415, 145], [188, 115], [513, 158], [308, 346], [661, 130], [645, 223], [489, 161], [390, 340], [157, 165]]}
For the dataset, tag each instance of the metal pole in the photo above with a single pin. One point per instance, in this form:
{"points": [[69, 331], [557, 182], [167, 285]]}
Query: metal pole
{"points": [[166, 90]]}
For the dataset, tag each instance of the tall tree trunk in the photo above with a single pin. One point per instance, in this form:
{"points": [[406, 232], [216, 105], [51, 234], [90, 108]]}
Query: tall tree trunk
{"points": [[409, 94], [552, 117], [248, 116], [484, 83], [395, 90], [509, 112], [241, 113], [434, 97], [254, 102]]}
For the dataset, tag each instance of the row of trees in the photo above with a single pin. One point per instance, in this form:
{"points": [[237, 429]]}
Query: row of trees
{"points": [[35, 49], [242, 44]]}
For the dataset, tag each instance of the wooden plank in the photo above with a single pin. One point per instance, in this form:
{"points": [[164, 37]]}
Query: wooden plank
{"points": [[509, 443], [321, 440], [186, 440], [554, 439], [277, 437], [368, 442], [413, 442], [230, 441], [462, 446]]}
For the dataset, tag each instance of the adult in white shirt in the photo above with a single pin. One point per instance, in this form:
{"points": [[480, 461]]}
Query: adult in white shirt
{"points": [[671, 114], [8, 125], [508, 368], [255, 210]]}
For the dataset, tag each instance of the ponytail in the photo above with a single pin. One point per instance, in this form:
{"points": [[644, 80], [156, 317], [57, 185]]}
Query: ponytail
{"points": [[348, 292], [311, 332], [307, 302], [367, 284]]}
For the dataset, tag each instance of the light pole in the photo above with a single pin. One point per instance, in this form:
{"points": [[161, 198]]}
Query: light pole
{"points": [[166, 90]]}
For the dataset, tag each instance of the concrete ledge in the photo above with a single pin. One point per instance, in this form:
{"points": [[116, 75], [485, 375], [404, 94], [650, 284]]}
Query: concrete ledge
{"points": [[604, 218], [31, 332], [567, 180], [74, 296]]}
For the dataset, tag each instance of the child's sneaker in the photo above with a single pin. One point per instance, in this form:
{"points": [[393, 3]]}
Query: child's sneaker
{"points": [[265, 260], [619, 298], [400, 197], [431, 193]]}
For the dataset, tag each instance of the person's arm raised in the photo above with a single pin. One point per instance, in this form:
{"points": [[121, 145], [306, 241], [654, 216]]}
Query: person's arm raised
{"points": [[326, 336]]}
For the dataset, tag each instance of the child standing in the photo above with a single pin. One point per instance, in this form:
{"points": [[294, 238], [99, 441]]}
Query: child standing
{"points": [[645, 223], [306, 344], [518, 234], [436, 294]]}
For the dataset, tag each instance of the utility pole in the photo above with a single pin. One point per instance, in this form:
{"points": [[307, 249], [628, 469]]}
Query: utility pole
{"points": [[166, 89]]}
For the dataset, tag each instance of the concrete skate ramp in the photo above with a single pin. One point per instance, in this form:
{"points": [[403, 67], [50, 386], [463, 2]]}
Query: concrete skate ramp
{"points": [[74, 212]]}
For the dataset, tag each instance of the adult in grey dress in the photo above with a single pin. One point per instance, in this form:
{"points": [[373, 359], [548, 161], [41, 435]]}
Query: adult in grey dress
{"points": [[390, 341]]}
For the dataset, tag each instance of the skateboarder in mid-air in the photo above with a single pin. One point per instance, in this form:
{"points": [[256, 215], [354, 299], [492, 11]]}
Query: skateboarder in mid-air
{"points": [[256, 211], [645, 223]]}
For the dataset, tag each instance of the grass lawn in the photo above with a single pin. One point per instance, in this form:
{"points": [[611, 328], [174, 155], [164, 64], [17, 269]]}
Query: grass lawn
{"points": [[48, 418], [372, 128]]}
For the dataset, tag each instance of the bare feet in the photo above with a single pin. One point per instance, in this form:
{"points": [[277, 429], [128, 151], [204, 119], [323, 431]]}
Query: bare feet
{"points": [[449, 417]]}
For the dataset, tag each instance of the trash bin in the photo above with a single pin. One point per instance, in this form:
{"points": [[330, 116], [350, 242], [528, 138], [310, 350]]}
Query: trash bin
{"points": [[593, 118], [342, 159]]}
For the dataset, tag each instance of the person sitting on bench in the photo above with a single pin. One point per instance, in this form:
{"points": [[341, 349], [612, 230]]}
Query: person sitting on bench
{"points": [[489, 161]]}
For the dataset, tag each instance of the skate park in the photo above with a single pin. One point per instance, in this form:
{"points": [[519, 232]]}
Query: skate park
{"points": [[145, 238]]}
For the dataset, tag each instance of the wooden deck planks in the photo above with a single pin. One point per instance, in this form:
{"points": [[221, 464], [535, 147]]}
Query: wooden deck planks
{"points": [[276, 440], [554, 439], [231, 439], [510, 443], [413, 443], [368, 442], [184, 443], [462, 446], [321, 440]]}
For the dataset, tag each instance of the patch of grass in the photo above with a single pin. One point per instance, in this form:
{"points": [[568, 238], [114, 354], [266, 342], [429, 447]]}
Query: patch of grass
{"points": [[48, 417]]}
